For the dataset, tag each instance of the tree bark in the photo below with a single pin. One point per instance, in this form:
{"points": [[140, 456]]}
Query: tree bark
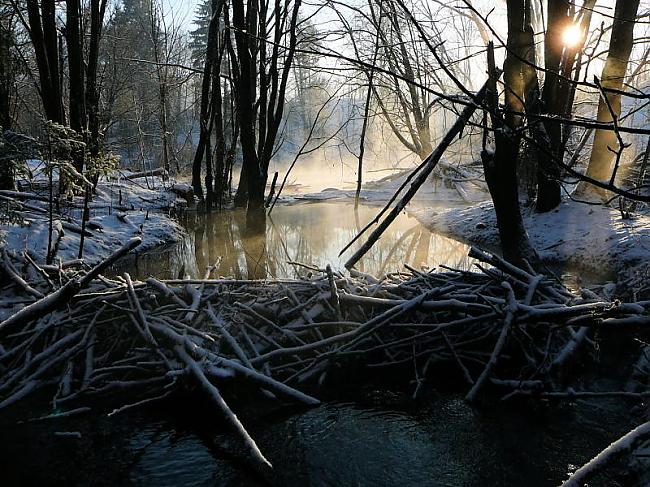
{"points": [[548, 173], [613, 75], [500, 167]]}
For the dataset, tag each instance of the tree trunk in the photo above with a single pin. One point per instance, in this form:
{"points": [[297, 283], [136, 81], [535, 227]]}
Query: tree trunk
{"points": [[500, 166], [220, 142], [251, 174], [613, 76], [209, 107], [548, 172], [76, 74], [44, 39], [260, 112], [97, 12], [7, 179], [6, 76]]}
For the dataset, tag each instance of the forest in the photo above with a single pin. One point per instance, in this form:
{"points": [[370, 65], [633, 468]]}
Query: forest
{"points": [[325, 242]]}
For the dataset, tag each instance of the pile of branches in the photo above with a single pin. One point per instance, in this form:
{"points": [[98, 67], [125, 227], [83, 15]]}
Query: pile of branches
{"points": [[82, 336]]}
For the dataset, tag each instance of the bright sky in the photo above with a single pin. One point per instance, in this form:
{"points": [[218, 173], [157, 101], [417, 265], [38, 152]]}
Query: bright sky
{"points": [[183, 10]]}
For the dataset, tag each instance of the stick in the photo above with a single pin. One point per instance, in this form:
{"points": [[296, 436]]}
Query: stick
{"points": [[62, 295], [216, 321], [13, 275], [485, 375], [620, 446], [257, 456]]}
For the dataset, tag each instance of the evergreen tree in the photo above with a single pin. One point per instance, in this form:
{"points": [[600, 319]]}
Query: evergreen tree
{"points": [[199, 36]]}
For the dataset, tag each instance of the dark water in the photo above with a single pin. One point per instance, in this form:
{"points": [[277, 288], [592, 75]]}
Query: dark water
{"points": [[364, 438], [311, 234], [439, 442]]}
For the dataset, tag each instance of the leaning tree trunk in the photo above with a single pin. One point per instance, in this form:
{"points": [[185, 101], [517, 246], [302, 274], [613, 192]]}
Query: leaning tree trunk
{"points": [[613, 75]]}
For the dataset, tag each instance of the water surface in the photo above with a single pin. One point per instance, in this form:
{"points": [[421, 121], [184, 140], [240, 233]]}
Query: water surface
{"points": [[311, 234], [440, 441]]}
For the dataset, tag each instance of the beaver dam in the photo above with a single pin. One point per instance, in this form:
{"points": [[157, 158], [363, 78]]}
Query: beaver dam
{"points": [[86, 344]]}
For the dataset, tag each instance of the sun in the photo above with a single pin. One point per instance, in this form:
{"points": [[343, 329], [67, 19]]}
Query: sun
{"points": [[572, 36]]}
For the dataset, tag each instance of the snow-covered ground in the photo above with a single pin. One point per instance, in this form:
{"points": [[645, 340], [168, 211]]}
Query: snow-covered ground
{"points": [[121, 209], [589, 238]]}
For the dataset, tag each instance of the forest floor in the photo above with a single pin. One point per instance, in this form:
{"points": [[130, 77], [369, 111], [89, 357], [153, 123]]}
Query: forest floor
{"points": [[121, 209]]}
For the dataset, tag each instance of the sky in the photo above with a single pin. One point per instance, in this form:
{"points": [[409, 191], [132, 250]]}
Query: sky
{"points": [[183, 10]]}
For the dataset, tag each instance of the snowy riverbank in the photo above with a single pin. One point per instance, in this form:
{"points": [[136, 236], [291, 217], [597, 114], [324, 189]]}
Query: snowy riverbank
{"points": [[595, 242], [122, 208], [588, 238]]}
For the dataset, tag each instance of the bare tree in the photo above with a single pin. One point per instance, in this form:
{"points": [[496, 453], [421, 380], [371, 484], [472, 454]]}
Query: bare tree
{"points": [[261, 57], [41, 25], [76, 75], [7, 66], [211, 110], [97, 13]]}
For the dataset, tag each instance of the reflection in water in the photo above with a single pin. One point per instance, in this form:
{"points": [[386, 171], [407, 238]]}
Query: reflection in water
{"points": [[311, 234]]}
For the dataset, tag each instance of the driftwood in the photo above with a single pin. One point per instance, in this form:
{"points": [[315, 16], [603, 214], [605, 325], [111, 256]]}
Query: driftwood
{"points": [[505, 330]]}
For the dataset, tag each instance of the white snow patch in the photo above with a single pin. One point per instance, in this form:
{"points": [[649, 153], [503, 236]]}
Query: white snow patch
{"points": [[592, 238], [120, 209]]}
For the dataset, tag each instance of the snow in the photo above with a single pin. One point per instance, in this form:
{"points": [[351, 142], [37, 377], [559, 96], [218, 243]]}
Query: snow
{"points": [[593, 239], [157, 229], [121, 209]]}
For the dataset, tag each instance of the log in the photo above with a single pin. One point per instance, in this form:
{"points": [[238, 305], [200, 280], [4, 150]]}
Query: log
{"points": [[13, 275], [619, 447], [143, 174], [256, 455]]}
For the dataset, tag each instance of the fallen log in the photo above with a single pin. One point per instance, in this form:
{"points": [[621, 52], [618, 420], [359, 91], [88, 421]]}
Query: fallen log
{"points": [[142, 174]]}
